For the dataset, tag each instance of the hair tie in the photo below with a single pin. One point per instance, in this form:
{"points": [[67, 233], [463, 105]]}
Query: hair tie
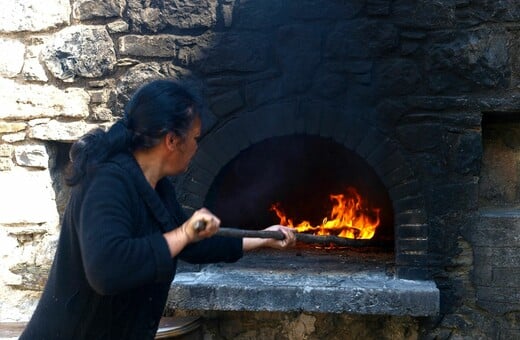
{"points": [[120, 128]]}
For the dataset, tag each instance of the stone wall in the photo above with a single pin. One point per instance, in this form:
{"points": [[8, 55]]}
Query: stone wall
{"points": [[429, 70]]}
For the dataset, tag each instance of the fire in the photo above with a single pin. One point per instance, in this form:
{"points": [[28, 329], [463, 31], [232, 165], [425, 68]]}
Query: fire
{"points": [[349, 218]]}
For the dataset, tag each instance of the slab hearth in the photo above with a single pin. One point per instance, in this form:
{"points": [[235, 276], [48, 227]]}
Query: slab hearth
{"points": [[336, 282]]}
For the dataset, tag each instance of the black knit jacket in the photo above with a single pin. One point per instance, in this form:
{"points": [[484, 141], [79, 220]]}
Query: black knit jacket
{"points": [[112, 269]]}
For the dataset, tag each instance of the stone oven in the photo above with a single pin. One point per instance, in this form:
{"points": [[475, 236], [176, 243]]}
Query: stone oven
{"points": [[415, 104], [299, 153]]}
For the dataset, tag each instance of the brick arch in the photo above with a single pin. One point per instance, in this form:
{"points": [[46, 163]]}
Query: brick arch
{"points": [[345, 127]]}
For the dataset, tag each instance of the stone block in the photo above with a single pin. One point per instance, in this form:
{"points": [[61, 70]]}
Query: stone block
{"points": [[495, 231], [413, 273], [424, 14], [412, 231], [420, 137], [396, 77], [98, 96], [398, 176], [6, 150], [175, 14], [205, 161], [33, 69], [507, 277], [412, 259], [390, 164], [213, 289], [497, 255], [226, 103], [11, 63], [89, 52], [24, 102], [264, 91], [498, 299], [482, 274], [312, 10], [408, 189], [354, 133], [161, 45], [118, 26], [450, 197], [371, 140], [411, 217], [381, 152], [33, 15], [6, 164], [408, 203], [35, 156], [6, 127], [14, 137], [245, 52], [419, 245], [88, 9], [60, 131], [22, 189], [468, 50]]}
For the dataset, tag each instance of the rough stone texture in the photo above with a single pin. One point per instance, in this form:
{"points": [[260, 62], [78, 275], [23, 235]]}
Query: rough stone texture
{"points": [[33, 15], [214, 289], [185, 49], [88, 9], [6, 127], [33, 69], [20, 207], [161, 15], [29, 101], [118, 26], [35, 156], [85, 51], [474, 59], [304, 325], [60, 131], [11, 63]]}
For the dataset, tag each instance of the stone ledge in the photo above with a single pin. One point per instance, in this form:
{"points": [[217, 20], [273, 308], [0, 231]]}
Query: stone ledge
{"points": [[371, 290], [11, 330]]}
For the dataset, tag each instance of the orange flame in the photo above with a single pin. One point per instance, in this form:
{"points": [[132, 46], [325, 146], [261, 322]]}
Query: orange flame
{"points": [[349, 218]]}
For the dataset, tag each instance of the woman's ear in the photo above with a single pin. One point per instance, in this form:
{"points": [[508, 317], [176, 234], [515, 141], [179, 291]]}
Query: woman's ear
{"points": [[171, 141]]}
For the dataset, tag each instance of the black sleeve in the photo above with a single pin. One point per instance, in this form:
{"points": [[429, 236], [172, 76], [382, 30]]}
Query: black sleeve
{"points": [[213, 249], [114, 259]]}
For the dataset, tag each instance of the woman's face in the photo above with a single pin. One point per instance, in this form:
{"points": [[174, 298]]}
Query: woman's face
{"points": [[187, 146]]}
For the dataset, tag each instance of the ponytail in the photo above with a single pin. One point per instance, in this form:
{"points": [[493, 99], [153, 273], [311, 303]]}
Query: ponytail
{"points": [[157, 108], [95, 147]]}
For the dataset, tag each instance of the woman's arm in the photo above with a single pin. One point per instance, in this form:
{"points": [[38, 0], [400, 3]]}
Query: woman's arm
{"points": [[179, 238], [249, 243]]}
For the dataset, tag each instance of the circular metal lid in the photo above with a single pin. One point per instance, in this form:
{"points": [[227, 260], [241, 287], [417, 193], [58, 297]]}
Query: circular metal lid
{"points": [[174, 326]]}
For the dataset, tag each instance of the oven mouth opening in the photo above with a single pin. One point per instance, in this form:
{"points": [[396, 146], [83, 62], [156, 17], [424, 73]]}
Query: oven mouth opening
{"points": [[303, 181]]}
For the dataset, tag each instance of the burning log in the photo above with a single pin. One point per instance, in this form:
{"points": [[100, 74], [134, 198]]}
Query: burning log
{"points": [[301, 237], [306, 238], [350, 217]]}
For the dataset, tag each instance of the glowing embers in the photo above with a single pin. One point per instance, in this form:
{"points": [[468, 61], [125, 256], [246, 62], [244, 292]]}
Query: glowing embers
{"points": [[350, 217]]}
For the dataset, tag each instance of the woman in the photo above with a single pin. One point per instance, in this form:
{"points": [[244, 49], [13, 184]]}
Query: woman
{"points": [[123, 229]]}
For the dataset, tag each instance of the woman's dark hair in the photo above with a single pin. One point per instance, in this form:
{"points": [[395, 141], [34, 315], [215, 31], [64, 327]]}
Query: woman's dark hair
{"points": [[157, 108]]}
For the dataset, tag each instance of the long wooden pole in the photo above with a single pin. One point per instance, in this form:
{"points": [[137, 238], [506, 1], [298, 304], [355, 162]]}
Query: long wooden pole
{"points": [[306, 238], [278, 235]]}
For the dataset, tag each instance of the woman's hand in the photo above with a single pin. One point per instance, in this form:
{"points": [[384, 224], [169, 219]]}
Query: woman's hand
{"points": [[287, 242], [254, 243], [210, 222], [180, 237]]}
